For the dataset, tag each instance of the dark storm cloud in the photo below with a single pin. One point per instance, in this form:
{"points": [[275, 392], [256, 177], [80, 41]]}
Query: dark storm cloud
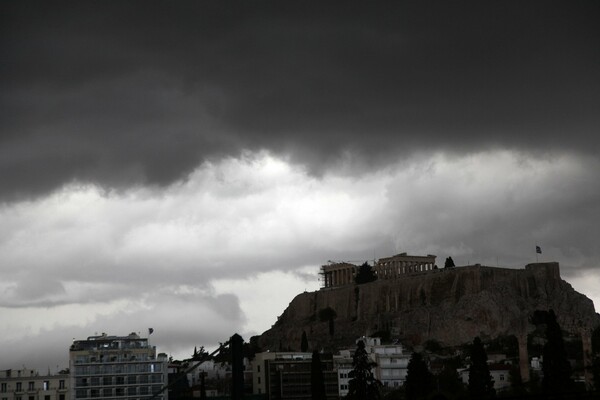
{"points": [[142, 92]]}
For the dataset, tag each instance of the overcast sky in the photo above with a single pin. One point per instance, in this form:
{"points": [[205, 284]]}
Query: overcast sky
{"points": [[188, 166]]}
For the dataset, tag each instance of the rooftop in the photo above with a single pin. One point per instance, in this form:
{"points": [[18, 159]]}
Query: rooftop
{"points": [[105, 342]]}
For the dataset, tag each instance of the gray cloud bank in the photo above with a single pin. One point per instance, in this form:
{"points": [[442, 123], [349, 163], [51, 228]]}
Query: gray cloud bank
{"points": [[143, 92], [166, 165]]}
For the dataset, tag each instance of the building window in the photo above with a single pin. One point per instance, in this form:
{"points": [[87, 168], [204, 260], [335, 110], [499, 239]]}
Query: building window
{"points": [[19, 387], [501, 377], [31, 386], [31, 398], [46, 385], [46, 397], [259, 379], [61, 397], [61, 384], [3, 388], [258, 368]]}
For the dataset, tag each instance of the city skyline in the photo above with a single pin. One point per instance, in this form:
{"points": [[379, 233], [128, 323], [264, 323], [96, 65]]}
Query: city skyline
{"points": [[189, 167]]}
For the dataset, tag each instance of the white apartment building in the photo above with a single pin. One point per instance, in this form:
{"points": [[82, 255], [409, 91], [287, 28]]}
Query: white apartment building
{"points": [[116, 367], [391, 369], [343, 364], [28, 384], [392, 363], [210, 369]]}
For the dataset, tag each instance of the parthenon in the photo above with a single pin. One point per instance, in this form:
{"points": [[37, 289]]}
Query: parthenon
{"points": [[400, 264], [343, 273]]}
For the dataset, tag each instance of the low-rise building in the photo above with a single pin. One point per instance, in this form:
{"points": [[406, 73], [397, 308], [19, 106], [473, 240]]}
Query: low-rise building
{"points": [[28, 384], [500, 374], [287, 375]]}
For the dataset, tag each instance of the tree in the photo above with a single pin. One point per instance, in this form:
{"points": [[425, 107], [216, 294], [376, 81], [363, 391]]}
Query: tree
{"points": [[449, 381], [418, 378], [303, 342], [199, 354], [362, 384], [481, 384], [556, 366], [449, 263], [365, 274], [317, 382]]}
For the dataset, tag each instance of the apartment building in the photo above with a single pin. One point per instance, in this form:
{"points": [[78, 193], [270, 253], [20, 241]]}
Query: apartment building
{"points": [[28, 384], [116, 367]]}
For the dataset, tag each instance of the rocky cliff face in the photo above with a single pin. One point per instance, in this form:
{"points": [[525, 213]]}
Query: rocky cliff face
{"points": [[451, 306]]}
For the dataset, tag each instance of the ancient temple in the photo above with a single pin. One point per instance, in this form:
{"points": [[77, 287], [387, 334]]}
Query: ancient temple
{"points": [[337, 274]]}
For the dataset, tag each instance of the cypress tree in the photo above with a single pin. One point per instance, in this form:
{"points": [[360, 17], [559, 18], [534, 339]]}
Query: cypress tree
{"points": [[362, 384], [481, 384], [418, 378], [317, 382], [303, 342], [556, 366]]}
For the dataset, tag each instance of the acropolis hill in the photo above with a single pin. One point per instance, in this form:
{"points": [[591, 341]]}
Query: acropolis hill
{"points": [[415, 304]]}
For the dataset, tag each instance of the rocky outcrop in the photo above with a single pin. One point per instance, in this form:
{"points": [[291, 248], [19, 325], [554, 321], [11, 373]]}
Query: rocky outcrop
{"points": [[451, 306]]}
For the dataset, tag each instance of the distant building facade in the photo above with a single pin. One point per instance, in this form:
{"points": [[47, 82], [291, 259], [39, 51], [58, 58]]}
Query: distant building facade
{"points": [[27, 384], [116, 367], [286, 375]]}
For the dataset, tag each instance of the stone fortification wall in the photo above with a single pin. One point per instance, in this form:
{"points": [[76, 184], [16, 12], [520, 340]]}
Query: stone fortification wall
{"points": [[449, 305]]}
